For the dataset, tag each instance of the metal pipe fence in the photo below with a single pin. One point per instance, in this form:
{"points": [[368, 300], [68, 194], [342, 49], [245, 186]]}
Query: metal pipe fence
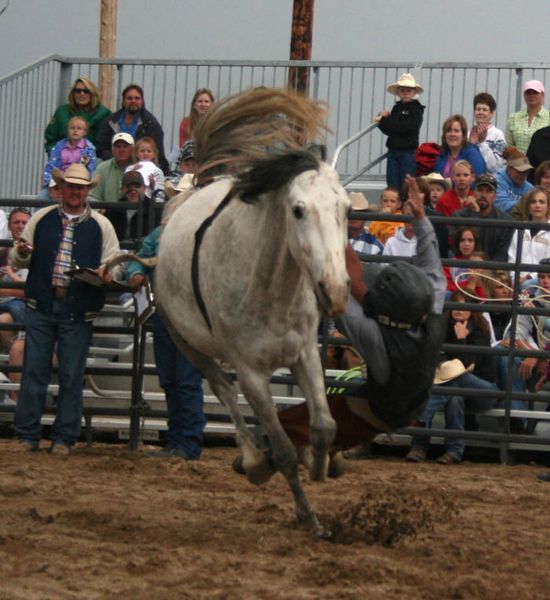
{"points": [[354, 91], [136, 370]]}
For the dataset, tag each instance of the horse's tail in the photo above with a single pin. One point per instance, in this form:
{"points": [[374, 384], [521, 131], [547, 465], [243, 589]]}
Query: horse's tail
{"points": [[253, 125]]}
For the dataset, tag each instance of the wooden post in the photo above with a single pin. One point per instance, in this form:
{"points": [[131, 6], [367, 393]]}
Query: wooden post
{"points": [[107, 49], [300, 44]]}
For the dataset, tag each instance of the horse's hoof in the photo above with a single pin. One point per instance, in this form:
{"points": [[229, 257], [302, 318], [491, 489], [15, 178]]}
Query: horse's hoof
{"points": [[336, 466], [319, 466]]}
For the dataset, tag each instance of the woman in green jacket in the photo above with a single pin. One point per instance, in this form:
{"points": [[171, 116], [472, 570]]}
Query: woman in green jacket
{"points": [[83, 102]]}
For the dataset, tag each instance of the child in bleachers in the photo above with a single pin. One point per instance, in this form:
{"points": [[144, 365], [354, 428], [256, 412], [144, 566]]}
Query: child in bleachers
{"points": [[145, 157], [438, 186], [360, 240], [463, 177], [75, 148], [390, 202], [402, 126]]}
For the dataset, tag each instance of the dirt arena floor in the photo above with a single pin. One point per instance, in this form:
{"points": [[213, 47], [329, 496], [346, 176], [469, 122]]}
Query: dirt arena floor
{"points": [[106, 523]]}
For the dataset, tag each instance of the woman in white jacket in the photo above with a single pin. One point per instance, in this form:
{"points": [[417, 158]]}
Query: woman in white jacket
{"points": [[535, 207]]}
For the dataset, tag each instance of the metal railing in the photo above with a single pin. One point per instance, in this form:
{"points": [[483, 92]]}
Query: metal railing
{"points": [[354, 91], [136, 369]]}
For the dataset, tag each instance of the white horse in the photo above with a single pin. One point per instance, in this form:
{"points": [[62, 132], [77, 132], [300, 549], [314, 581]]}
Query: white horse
{"points": [[245, 266]]}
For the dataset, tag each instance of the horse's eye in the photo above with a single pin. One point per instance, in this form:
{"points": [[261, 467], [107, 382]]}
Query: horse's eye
{"points": [[298, 211]]}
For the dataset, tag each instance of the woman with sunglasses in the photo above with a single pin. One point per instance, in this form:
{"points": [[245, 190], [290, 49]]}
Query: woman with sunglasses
{"points": [[83, 101]]}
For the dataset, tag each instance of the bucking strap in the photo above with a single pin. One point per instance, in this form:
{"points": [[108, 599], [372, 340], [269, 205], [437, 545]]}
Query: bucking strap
{"points": [[199, 235]]}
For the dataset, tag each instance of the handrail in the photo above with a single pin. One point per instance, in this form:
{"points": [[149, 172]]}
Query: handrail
{"points": [[350, 141]]}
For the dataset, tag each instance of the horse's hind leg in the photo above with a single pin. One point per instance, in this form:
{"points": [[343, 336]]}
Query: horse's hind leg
{"points": [[255, 462], [322, 428], [256, 389]]}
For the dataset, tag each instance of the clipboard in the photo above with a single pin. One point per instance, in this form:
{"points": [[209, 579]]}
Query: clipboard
{"points": [[90, 277], [144, 303]]}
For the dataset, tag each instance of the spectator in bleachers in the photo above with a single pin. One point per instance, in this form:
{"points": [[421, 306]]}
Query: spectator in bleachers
{"points": [[466, 246], [361, 240], [83, 102], [75, 148], [180, 380], [512, 181], [134, 120], [187, 166], [111, 171], [12, 303], [402, 126], [145, 157], [455, 147], [461, 194], [126, 222], [528, 337], [468, 369], [494, 241], [438, 186], [522, 125], [390, 202], [60, 310], [535, 243], [51, 193], [488, 138], [403, 241], [500, 291], [200, 105], [539, 147], [542, 175], [433, 186]]}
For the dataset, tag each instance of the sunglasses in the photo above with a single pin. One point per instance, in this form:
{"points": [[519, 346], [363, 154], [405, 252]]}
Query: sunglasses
{"points": [[81, 91]]}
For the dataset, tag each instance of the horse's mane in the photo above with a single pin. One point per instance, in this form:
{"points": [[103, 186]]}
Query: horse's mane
{"points": [[243, 129], [272, 173]]}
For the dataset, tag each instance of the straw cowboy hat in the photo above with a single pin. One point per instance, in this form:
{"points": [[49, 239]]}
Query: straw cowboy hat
{"points": [[438, 178], [406, 80], [75, 173], [450, 369], [358, 201]]}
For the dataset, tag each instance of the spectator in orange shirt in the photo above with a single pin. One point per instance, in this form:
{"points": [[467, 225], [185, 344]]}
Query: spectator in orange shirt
{"points": [[390, 202]]}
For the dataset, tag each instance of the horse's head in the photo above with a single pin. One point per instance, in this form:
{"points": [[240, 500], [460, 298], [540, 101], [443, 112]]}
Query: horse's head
{"points": [[317, 216], [316, 208]]}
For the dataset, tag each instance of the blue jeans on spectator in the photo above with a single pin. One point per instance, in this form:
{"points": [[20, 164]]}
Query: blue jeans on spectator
{"points": [[16, 307], [73, 339], [454, 419], [400, 163], [182, 384], [518, 384], [454, 410]]}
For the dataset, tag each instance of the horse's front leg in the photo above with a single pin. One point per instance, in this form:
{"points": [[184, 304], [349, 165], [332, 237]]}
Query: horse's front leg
{"points": [[322, 428], [255, 387]]}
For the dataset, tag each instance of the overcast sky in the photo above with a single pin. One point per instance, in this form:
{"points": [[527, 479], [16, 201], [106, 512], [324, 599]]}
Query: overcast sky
{"points": [[344, 30]]}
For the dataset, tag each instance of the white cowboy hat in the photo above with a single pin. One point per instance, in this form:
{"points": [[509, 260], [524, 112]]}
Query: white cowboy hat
{"points": [[75, 173], [358, 201], [437, 178], [406, 80], [450, 369]]}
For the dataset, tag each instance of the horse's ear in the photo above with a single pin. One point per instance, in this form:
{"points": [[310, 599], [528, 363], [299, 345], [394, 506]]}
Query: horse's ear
{"points": [[319, 151]]}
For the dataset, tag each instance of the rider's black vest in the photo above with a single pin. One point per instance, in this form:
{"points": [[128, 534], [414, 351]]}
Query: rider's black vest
{"points": [[414, 355]]}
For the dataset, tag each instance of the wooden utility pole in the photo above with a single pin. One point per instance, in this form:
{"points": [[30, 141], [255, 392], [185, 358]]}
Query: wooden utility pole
{"points": [[107, 49], [300, 44]]}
